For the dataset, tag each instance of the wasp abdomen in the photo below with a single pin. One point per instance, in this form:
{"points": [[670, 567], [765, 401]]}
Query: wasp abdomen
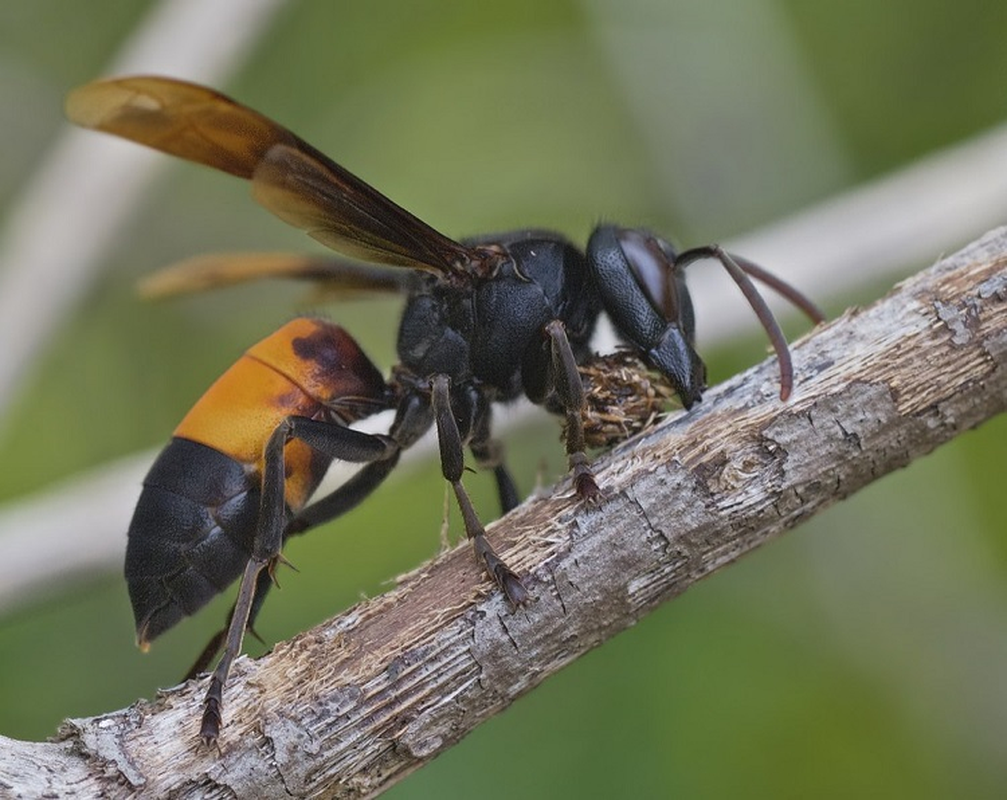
{"points": [[196, 519], [190, 537]]}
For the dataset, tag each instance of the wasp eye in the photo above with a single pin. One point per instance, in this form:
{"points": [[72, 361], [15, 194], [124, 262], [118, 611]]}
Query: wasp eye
{"points": [[652, 263]]}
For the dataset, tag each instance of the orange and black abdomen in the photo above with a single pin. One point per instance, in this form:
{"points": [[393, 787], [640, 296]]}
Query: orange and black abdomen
{"points": [[195, 522]]}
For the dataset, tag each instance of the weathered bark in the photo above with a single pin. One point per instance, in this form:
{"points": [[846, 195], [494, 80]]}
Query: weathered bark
{"points": [[349, 707]]}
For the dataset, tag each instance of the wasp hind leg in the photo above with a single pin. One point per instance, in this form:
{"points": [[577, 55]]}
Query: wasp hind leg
{"points": [[333, 440]]}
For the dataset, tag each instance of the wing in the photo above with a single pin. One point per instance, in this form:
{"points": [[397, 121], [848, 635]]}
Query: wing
{"points": [[340, 279], [289, 177]]}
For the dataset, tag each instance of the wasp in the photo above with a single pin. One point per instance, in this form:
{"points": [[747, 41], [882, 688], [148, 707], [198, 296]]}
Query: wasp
{"points": [[486, 320]]}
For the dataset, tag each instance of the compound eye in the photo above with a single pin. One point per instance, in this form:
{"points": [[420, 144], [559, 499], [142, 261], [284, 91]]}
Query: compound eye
{"points": [[652, 264]]}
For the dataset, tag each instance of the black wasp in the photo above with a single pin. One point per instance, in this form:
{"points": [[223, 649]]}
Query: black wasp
{"points": [[486, 320]]}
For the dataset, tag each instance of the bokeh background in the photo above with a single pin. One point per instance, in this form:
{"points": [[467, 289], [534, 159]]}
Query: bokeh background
{"points": [[864, 654]]}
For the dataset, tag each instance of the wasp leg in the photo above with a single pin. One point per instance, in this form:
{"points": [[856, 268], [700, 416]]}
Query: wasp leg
{"points": [[452, 465], [333, 440], [569, 390], [488, 453], [201, 664], [347, 497], [333, 505]]}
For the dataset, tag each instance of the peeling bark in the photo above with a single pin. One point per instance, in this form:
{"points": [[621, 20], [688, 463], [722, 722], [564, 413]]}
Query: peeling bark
{"points": [[353, 705]]}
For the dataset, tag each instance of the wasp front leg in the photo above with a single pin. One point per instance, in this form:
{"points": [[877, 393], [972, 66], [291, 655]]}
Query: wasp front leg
{"points": [[550, 375], [570, 391]]}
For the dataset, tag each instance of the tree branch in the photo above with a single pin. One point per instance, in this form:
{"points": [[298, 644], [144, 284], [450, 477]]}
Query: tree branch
{"points": [[350, 707]]}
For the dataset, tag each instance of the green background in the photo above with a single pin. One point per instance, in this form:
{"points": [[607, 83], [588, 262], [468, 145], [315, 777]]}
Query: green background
{"points": [[862, 655]]}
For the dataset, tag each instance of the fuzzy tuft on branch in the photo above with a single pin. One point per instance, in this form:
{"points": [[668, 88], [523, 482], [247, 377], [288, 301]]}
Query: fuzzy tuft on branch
{"points": [[353, 705]]}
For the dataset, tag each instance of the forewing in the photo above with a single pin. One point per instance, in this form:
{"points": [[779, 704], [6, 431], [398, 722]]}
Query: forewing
{"points": [[308, 190], [291, 178], [182, 119]]}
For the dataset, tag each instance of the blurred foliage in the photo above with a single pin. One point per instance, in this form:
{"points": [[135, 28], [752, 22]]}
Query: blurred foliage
{"points": [[862, 655]]}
